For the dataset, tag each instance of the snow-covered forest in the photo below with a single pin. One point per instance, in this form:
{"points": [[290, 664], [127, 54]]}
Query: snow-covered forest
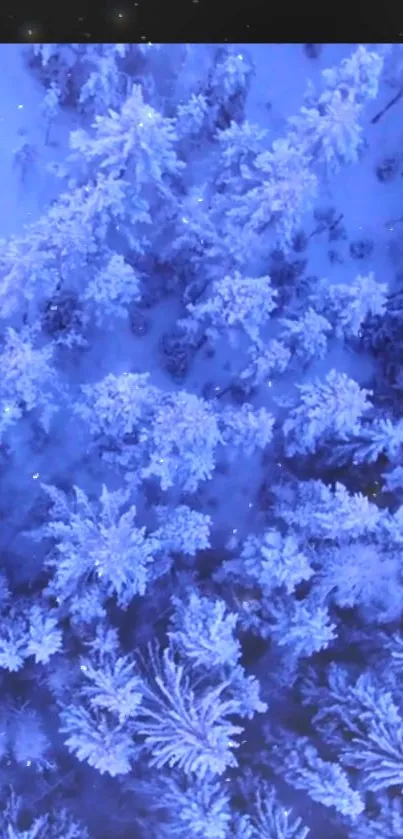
{"points": [[201, 440]]}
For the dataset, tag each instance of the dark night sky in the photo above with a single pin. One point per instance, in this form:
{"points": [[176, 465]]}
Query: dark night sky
{"points": [[196, 21]]}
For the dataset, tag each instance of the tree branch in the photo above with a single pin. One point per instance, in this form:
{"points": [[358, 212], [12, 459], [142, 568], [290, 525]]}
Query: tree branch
{"points": [[390, 104]]}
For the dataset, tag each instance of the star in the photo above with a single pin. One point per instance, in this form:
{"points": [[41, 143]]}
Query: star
{"points": [[121, 15], [32, 32]]}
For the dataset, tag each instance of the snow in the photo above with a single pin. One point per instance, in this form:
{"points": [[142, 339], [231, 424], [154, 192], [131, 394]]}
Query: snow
{"points": [[369, 209], [365, 203], [284, 91], [21, 98]]}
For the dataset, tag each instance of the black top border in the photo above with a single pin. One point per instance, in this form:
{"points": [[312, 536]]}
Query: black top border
{"points": [[197, 21]]}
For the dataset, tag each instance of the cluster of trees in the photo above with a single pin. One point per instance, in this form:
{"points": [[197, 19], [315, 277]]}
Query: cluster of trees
{"points": [[212, 690]]}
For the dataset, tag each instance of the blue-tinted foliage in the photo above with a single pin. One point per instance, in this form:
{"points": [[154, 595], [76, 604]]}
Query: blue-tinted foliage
{"points": [[325, 782], [184, 726], [201, 506]]}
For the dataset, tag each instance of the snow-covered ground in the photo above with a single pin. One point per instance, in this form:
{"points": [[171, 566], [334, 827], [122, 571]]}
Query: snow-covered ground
{"points": [[24, 195]]}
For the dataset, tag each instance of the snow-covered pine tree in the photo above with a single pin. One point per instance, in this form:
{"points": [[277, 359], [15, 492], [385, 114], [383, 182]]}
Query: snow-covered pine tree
{"points": [[118, 405], [135, 142], [328, 127], [269, 817], [204, 806], [306, 336], [347, 305], [17, 821], [111, 290], [235, 304], [112, 684], [97, 543], [181, 441], [202, 630], [185, 725], [98, 739], [265, 363], [297, 760], [245, 429], [319, 511], [28, 381], [239, 145], [281, 187], [328, 410], [182, 530]]}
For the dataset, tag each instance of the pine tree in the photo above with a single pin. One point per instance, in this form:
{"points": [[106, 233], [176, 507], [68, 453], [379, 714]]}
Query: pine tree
{"points": [[182, 530], [105, 85], [96, 738], [181, 441], [135, 141], [270, 818], [281, 188], [302, 767], [318, 511], [117, 405], [45, 636], [245, 429], [306, 336], [327, 129], [97, 543], [186, 727], [347, 306], [111, 290], [235, 304], [112, 684], [203, 631], [196, 807], [327, 410], [28, 381]]}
